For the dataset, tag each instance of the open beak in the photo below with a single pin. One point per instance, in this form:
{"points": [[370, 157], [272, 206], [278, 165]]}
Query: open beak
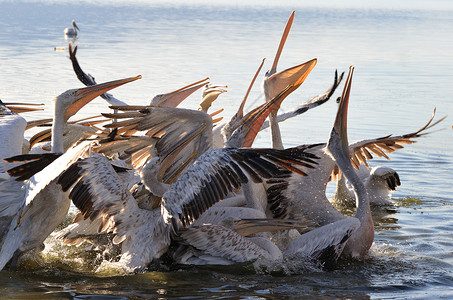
{"points": [[85, 95], [167, 158], [173, 99], [295, 75], [252, 122], [247, 227], [338, 144]]}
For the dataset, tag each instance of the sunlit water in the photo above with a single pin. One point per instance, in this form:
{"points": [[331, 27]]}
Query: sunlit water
{"points": [[404, 68]]}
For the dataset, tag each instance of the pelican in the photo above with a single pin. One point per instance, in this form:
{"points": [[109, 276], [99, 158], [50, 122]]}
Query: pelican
{"points": [[274, 82], [304, 198], [32, 220], [72, 32], [379, 181], [357, 230]]}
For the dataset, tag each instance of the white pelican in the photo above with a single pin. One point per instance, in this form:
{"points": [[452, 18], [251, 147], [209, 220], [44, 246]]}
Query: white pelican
{"points": [[379, 181], [72, 32], [304, 198], [358, 231], [32, 220], [274, 82]]}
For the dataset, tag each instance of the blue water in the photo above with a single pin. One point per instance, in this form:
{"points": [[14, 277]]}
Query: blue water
{"points": [[404, 68]]}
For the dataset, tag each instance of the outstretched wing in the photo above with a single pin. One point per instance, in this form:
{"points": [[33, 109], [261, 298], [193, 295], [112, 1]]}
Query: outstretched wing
{"points": [[364, 150], [220, 171], [161, 128]]}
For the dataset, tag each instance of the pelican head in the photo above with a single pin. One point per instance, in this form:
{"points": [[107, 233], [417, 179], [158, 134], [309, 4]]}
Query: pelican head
{"points": [[73, 100], [70, 102]]}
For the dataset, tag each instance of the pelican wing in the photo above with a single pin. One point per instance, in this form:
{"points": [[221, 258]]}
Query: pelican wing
{"points": [[220, 171], [34, 163], [324, 244], [222, 243], [163, 125], [41, 180], [364, 150]]}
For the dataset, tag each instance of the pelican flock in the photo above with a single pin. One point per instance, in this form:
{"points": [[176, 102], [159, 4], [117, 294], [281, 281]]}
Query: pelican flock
{"points": [[162, 185]]}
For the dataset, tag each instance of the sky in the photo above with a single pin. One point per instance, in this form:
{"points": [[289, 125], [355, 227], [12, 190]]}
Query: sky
{"points": [[380, 4]]}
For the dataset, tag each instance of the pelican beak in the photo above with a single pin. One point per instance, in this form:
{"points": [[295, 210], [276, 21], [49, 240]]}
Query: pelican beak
{"points": [[238, 118], [247, 227], [85, 95], [240, 112], [36, 123], [295, 75], [210, 97], [209, 88], [167, 158], [173, 99], [338, 142], [215, 120], [40, 136], [23, 107], [273, 69], [75, 25], [216, 112], [253, 121]]}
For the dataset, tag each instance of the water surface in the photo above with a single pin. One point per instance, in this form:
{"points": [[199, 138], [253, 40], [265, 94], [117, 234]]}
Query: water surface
{"points": [[404, 69]]}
